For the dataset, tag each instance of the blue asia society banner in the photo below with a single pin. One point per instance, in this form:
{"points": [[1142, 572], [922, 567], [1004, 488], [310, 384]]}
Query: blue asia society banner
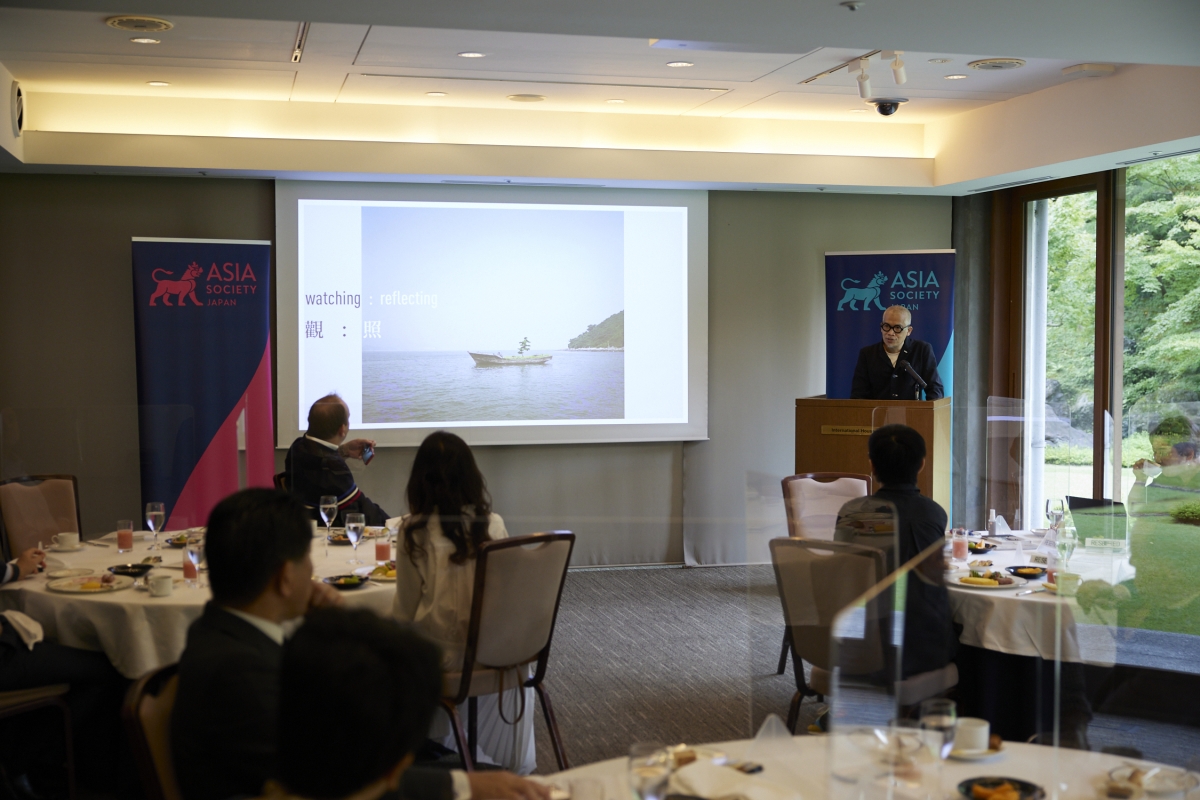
{"points": [[203, 325], [860, 286]]}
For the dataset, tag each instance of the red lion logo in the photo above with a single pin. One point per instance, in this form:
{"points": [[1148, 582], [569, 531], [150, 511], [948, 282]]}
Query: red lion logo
{"points": [[183, 288]]}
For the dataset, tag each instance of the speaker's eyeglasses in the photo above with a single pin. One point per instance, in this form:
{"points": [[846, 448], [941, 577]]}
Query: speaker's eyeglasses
{"points": [[893, 328]]}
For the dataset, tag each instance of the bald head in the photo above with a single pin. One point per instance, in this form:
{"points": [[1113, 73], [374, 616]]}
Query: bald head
{"points": [[329, 419], [903, 313]]}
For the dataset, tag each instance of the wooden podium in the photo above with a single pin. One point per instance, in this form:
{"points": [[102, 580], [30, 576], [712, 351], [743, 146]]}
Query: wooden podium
{"points": [[831, 436]]}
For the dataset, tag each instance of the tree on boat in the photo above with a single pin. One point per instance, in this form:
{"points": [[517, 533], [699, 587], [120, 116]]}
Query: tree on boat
{"points": [[524, 346]]}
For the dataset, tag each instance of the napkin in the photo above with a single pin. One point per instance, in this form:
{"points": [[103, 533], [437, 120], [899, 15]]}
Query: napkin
{"points": [[717, 782], [29, 630], [393, 523]]}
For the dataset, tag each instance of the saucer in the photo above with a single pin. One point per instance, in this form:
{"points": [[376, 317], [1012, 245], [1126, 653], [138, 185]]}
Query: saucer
{"points": [[974, 755], [60, 549]]}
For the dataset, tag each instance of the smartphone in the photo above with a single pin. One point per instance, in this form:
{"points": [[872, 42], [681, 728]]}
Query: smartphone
{"points": [[368, 454]]}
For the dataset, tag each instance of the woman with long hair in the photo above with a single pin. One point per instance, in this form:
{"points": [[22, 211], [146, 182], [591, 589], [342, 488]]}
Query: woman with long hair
{"points": [[449, 517]]}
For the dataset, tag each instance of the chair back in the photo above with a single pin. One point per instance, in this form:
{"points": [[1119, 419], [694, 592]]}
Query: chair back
{"points": [[36, 507], [281, 482], [147, 716], [816, 580], [812, 501], [518, 586]]}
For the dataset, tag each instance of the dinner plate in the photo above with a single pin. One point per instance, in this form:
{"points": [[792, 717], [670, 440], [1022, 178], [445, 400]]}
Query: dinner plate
{"points": [[1017, 583], [76, 585], [332, 580], [368, 572], [975, 755], [1156, 780], [1029, 791], [56, 574]]}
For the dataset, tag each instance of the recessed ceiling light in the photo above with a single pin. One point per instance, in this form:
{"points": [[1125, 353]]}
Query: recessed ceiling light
{"points": [[940, 60], [616, 101], [994, 64], [138, 23], [144, 40], [157, 83], [526, 98], [954, 77], [435, 94], [470, 54], [680, 64]]}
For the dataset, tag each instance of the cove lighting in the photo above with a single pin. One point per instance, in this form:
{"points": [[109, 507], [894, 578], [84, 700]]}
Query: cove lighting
{"points": [[858, 111], [680, 64], [470, 54], [435, 94], [144, 40], [955, 77], [157, 83], [615, 101], [526, 98]]}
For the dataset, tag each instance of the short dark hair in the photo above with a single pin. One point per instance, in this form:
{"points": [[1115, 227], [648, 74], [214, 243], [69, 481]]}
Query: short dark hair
{"points": [[896, 453], [326, 665], [327, 416], [250, 536]]}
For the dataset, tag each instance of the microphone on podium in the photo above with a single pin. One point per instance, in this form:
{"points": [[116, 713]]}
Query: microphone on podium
{"points": [[907, 367]]}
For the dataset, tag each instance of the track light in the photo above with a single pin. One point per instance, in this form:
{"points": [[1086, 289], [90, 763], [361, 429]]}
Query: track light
{"points": [[864, 80], [898, 70]]}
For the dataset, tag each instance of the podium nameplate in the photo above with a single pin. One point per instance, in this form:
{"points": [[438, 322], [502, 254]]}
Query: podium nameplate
{"points": [[847, 430]]}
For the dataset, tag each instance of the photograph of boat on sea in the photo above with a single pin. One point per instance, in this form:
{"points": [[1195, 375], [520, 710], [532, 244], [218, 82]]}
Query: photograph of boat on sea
{"points": [[492, 314]]}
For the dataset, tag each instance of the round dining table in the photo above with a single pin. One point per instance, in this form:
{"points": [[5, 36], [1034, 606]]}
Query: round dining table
{"points": [[137, 631], [800, 767]]}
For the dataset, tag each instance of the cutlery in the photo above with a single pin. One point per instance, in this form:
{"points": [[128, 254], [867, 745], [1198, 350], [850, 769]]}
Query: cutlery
{"points": [[96, 544]]}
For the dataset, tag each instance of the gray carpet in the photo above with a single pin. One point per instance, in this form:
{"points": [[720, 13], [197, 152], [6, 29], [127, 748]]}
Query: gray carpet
{"points": [[688, 655]]}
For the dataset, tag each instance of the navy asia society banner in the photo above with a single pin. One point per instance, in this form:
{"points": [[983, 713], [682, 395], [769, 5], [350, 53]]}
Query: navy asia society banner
{"points": [[203, 329], [860, 286]]}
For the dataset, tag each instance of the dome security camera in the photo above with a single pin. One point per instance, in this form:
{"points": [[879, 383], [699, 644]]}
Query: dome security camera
{"points": [[886, 106]]}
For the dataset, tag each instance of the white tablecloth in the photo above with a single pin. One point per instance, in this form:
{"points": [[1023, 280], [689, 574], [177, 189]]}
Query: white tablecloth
{"points": [[804, 768], [997, 619], [139, 632]]}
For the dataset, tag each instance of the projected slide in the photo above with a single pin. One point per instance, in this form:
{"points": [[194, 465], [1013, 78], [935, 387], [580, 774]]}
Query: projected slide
{"points": [[425, 314]]}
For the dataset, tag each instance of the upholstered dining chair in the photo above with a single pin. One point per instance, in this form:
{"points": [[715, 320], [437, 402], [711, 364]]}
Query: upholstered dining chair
{"points": [[54, 696], [816, 580], [36, 507], [812, 501], [147, 716], [518, 586]]}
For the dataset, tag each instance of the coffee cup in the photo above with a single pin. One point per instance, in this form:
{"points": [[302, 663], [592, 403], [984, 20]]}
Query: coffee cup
{"points": [[65, 541], [161, 585], [971, 734], [1068, 583]]}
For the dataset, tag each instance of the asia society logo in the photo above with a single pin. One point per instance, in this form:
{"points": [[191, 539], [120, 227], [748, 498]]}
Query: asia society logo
{"points": [[900, 291], [222, 284]]}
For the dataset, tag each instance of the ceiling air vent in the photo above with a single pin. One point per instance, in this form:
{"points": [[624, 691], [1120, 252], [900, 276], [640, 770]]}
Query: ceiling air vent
{"points": [[1158, 157], [138, 23], [996, 64], [17, 104]]}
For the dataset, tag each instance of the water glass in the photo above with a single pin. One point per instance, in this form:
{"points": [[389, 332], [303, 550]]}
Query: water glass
{"points": [[155, 517], [329, 510], [195, 555], [649, 770], [940, 715], [1067, 540], [355, 526]]}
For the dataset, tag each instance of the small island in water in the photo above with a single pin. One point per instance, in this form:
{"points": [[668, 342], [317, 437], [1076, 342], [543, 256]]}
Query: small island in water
{"points": [[520, 359], [608, 335]]}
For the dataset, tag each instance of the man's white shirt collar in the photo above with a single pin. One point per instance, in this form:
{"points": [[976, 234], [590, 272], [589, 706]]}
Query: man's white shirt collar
{"points": [[330, 445], [271, 630]]}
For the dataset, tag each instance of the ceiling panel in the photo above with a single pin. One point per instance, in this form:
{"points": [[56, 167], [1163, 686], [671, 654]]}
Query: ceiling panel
{"points": [[560, 96], [550, 55], [28, 31], [236, 84], [848, 107]]}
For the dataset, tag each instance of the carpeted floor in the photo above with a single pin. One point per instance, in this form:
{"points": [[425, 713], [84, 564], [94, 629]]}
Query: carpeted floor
{"points": [[688, 655]]}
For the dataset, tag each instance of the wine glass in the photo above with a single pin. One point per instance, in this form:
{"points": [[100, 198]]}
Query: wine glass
{"points": [[329, 511], [355, 524], [940, 715], [156, 515], [195, 554], [1055, 511], [1067, 540], [649, 770]]}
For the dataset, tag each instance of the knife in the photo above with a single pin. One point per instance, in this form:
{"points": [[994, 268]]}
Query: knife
{"points": [[1030, 591], [95, 544]]}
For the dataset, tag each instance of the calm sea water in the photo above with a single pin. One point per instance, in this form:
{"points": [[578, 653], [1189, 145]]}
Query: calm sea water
{"points": [[447, 386]]}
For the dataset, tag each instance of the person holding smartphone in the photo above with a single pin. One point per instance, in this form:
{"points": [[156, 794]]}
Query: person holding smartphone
{"points": [[316, 462]]}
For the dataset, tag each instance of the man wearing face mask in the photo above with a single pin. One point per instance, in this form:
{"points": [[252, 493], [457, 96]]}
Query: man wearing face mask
{"points": [[880, 372]]}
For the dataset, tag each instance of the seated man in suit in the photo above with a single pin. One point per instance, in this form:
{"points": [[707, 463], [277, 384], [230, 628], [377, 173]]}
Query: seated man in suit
{"points": [[897, 455], [224, 727], [316, 463], [371, 672]]}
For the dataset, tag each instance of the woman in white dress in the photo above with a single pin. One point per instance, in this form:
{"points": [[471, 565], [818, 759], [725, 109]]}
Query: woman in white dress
{"points": [[435, 580]]}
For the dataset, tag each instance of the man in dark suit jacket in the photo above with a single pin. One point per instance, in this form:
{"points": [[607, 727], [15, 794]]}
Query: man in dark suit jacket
{"points": [[878, 375], [316, 463], [897, 454], [224, 726]]}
